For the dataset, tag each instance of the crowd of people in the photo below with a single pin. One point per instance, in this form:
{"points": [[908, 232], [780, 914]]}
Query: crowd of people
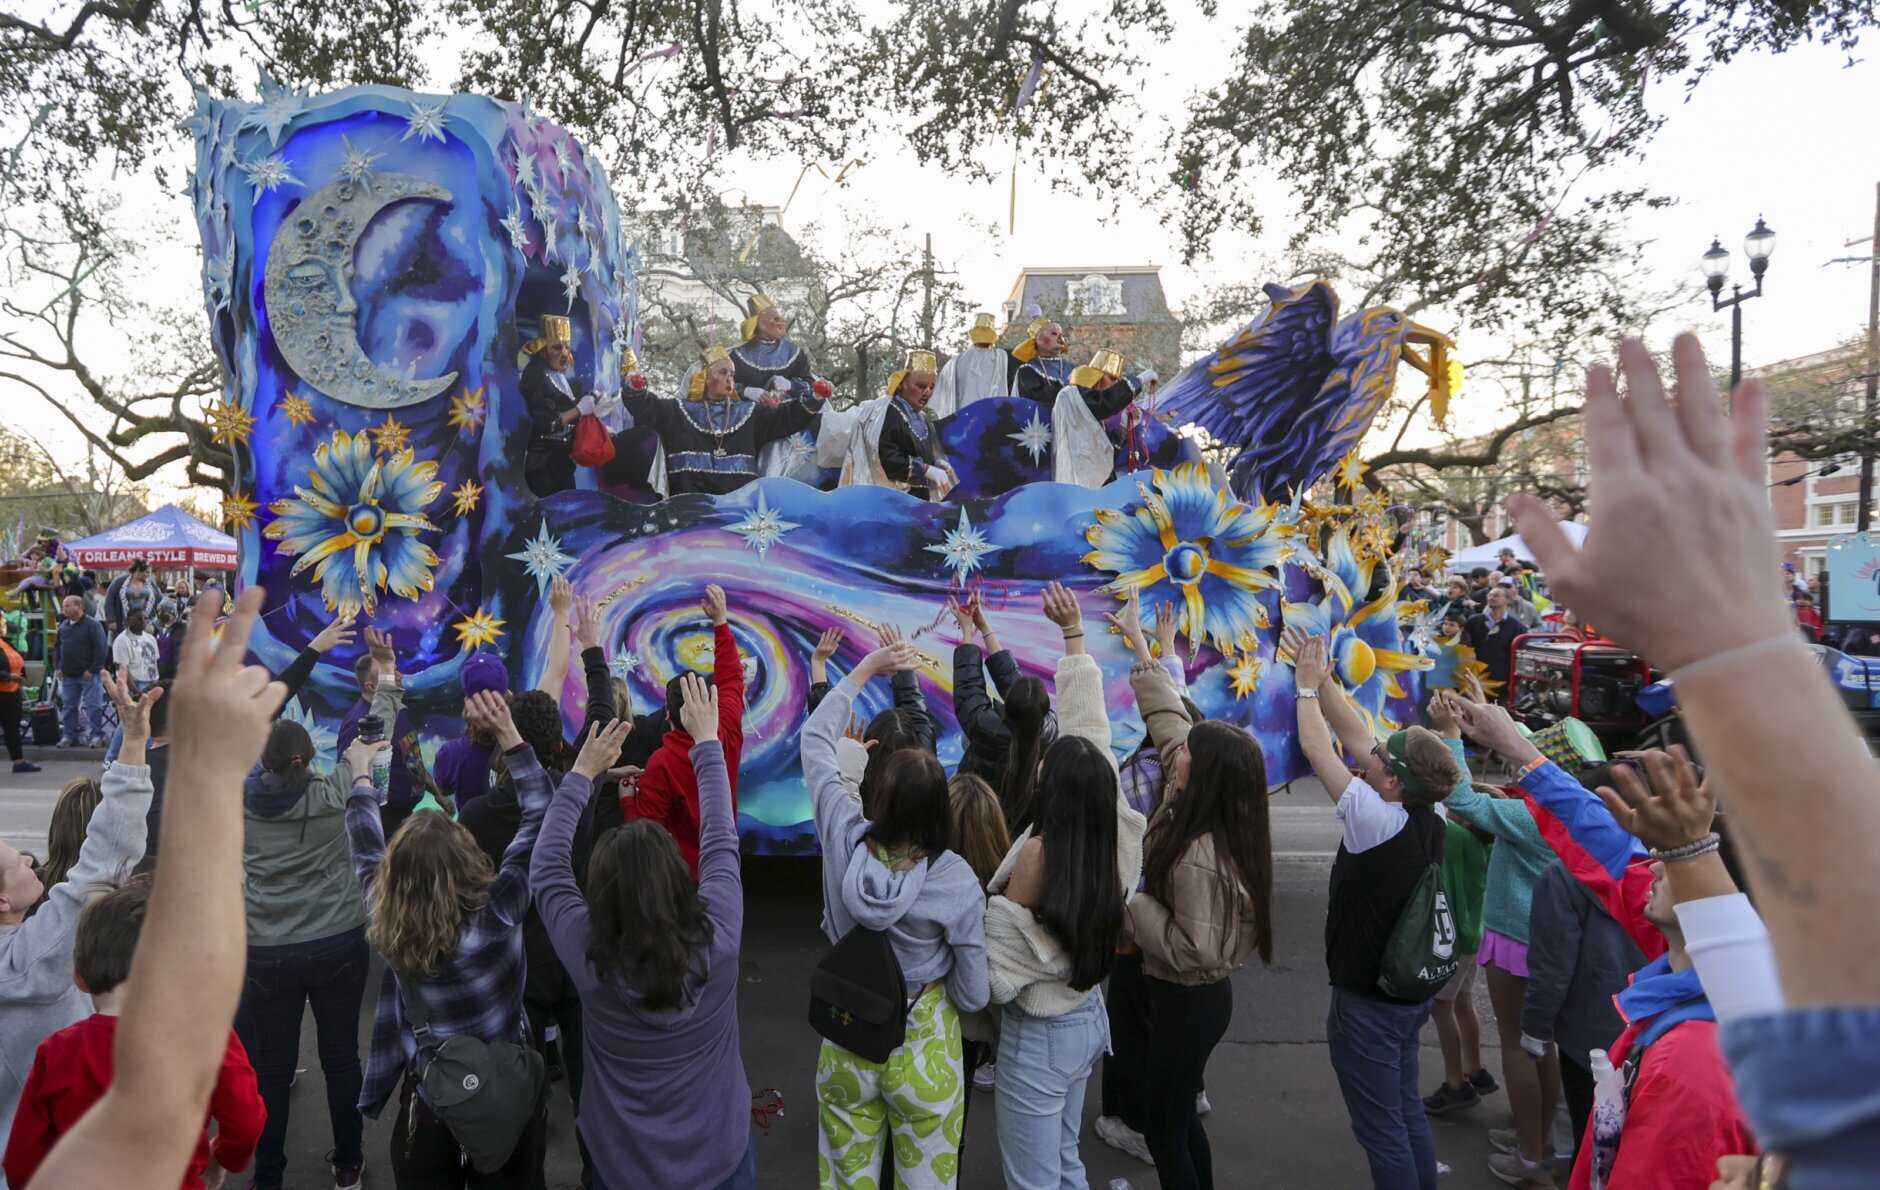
{"points": [[1046, 910]]}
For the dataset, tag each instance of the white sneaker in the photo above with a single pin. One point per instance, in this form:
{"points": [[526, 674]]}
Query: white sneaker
{"points": [[986, 1077], [1118, 1135], [1202, 1106]]}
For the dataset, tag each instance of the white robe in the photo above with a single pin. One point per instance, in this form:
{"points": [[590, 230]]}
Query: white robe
{"points": [[862, 463], [973, 375], [1081, 450]]}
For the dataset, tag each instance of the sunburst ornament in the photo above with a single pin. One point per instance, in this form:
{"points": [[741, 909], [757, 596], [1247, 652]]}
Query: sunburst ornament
{"points": [[762, 527], [623, 666], [478, 629], [541, 556], [298, 410], [1035, 437], [426, 122], [466, 497], [390, 436], [238, 511], [1351, 470], [965, 547], [1244, 675], [229, 423], [468, 410]]}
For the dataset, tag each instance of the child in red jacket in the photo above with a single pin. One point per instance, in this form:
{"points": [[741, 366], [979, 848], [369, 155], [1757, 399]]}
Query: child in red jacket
{"points": [[668, 789], [73, 1066]]}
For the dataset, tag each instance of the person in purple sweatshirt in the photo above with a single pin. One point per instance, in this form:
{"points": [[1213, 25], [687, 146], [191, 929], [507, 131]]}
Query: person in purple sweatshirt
{"points": [[655, 959]]}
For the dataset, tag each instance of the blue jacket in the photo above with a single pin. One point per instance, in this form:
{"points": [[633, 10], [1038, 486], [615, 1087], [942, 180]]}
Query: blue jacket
{"points": [[1578, 960], [82, 647]]}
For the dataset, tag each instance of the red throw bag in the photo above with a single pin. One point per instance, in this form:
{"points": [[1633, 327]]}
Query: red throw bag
{"points": [[593, 445]]}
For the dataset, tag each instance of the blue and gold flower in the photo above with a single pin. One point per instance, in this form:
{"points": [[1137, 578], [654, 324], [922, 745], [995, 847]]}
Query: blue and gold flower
{"points": [[1364, 641], [357, 523], [1195, 545]]}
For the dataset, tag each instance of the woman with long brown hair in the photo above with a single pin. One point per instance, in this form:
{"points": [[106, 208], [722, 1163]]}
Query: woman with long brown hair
{"points": [[449, 925], [1206, 905], [71, 815]]}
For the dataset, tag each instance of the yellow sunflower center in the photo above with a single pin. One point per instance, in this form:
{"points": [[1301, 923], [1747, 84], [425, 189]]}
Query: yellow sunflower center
{"points": [[366, 522], [1356, 661], [1186, 563]]}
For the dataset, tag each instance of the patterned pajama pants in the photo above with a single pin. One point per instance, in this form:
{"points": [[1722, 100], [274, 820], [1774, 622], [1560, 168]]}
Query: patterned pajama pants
{"points": [[916, 1101]]}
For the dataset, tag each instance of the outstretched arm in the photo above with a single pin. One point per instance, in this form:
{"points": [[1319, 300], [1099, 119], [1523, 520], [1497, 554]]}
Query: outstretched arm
{"points": [[560, 640], [1310, 678]]}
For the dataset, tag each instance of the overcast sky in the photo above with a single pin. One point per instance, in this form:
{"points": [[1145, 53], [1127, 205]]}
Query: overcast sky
{"points": [[1790, 138]]}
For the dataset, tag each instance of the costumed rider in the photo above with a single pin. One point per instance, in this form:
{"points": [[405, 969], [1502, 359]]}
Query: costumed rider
{"points": [[1083, 451], [1041, 367], [549, 467], [895, 443], [983, 369], [710, 439], [768, 365]]}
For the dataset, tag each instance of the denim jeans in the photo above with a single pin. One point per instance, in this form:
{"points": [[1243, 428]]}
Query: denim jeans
{"points": [[71, 692], [744, 1177], [331, 974], [1044, 1064], [1374, 1053]]}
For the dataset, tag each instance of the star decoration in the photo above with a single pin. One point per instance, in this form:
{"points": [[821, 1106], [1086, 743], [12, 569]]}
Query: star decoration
{"points": [[468, 493], [238, 511], [518, 230], [795, 452], [762, 527], [426, 121], [229, 423], [277, 109], [584, 225], [531, 119], [1350, 472], [357, 165], [964, 547], [479, 629], [541, 556], [390, 436], [550, 221], [570, 284], [269, 174], [1035, 437], [468, 410], [218, 274], [563, 161], [1244, 675], [297, 410], [623, 666], [525, 168], [593, 265]]}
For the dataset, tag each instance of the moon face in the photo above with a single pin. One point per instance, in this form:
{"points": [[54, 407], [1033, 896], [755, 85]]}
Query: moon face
{"points": [[310, 303]]}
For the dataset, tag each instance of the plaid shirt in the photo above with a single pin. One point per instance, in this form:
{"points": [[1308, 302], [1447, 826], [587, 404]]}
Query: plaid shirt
{"points": [[479, 992]]}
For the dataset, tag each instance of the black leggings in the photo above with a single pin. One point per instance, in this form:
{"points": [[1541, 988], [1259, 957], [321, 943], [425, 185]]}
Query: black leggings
{"points": [[10, 723], [1577, 1081], [1185, 1024], [1128, 1060]]}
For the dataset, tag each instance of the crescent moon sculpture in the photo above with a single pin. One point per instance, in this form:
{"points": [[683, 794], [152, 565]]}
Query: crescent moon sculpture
{"points": [[309, 292]]}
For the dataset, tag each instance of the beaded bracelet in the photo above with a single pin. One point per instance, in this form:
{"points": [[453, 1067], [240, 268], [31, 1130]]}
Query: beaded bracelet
{"points": [[1696, 847]]}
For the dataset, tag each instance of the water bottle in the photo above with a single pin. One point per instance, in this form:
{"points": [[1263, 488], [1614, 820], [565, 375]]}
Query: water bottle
{"points": [[1608, 1117], [372, 731]]}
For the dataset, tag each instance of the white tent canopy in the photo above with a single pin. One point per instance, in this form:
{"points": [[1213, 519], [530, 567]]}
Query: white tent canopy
{"points": [[1484, 555]]}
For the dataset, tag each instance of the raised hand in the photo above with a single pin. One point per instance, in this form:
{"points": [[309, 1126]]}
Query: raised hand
{"points": [[339, 632], [561, 598], [855, 729], [602, 747], [490, 711], [1490, 725], [359, 755], [587, 623], [1674, 809], [698, 714], [964, 618], [220, 709], [826, 647], [891, 634], [1129, 623], [133, 712], [1682, 484], [629, 777], [1310, 663], [714, 605], [1060, 607], [1165, 625], [896, 658], [379, 644]]}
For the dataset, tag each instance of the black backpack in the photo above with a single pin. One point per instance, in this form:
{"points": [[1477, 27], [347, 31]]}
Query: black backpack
{"points": [[857, 996], [485, 1092]]}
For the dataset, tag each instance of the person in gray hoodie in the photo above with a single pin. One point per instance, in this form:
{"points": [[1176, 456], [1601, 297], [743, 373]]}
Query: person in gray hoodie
{"points": [[895, 874], [306, 938], [36, 952]]}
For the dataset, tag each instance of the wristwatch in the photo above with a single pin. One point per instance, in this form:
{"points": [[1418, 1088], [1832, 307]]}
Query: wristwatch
{"points": [[1308, 692]]}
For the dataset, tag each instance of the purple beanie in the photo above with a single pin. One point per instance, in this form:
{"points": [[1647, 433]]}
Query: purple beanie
{"points": [[484, 672]]}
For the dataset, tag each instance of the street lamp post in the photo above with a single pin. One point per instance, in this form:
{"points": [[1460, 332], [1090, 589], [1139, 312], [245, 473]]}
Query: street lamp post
{"points": [[1757, 245]]}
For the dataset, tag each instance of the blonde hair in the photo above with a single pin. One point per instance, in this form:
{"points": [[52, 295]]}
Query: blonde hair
{"points": [[976, 829], [433, 880]]}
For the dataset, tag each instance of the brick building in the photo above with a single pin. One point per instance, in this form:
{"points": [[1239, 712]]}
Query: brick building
{"points": [[1120, 307], [1815, 500]]}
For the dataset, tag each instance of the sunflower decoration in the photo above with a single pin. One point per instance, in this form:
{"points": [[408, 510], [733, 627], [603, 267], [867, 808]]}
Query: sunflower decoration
{"points": [[1196, 546], [238, 511], [229, 423], [1364, 641], [357, 521]]}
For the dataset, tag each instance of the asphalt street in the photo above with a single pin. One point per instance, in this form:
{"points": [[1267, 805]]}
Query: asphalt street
{"points": [[1278, 1120]]}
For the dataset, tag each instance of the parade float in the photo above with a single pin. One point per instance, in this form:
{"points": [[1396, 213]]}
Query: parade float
{"points": [[374, 260]]}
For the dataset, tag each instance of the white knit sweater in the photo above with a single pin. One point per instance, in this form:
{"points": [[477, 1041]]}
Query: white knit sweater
{"points": [[1027, 964]]}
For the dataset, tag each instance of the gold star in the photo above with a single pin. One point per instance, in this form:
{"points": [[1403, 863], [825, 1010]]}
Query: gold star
{"points": [[479, 629], [298, 410], [229, 423], [468, 411], [1351, 470], [466, 496], [1244, 675], [389, 436], [238, 512]]}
